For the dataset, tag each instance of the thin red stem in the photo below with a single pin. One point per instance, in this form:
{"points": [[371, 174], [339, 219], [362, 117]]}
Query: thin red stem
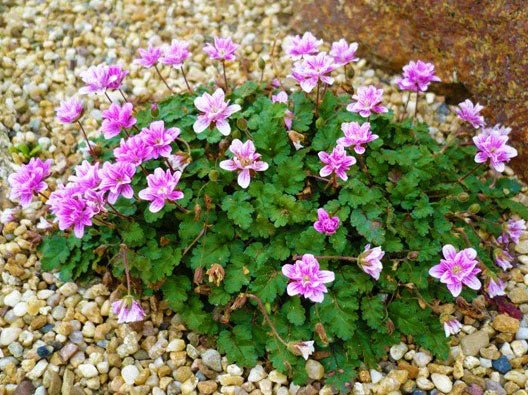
{"points": [[86, 138], [337, 257], [163, 79], [125, 263], [225, 77], [185, 79]]}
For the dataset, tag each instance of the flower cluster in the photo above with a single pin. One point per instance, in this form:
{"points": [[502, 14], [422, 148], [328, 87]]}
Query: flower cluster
{"points": [[29, 181], [99, 79], [417, 76]]}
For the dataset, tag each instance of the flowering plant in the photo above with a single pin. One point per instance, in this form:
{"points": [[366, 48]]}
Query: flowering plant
{"points": [[336, 247]]}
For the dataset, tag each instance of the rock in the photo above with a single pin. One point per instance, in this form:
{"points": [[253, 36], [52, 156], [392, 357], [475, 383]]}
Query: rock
{"points": [[375, 376], [12, 298], [399, 375], [411, 369], [422, 359], [129, 374], [228, 379], [388, 384], [38, 322], [471, 362], [256, 374], [277, 377], [506, 324], [494, 386], [55, 383], [442, 382], [501, 365], [68, 350], [519, 347], [520, 294], [158, 348], [87, 370], [26, 387], [424, 383], [189, 386], [207, 387], [38, 370], [522, 334], [314, 369], [235, 370], [176, 345], [471, 344], [9, 335], [398, 351], [68, 289], [392, 32], [211, 358], [517, 377]]}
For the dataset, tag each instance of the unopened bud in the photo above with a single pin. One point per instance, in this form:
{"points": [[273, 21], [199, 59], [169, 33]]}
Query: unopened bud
{"points": [[198, 276], [320, 330], [350, 73], [463, 197], [236, 133], [474, 208], [164, 241], [239, 301], [239, 101], [208, 202], [413, 255], [154, 110], [213, 175], [216, 274], [319, 122], [241, 123], [197, 211], [482, 197], [261, 63]]}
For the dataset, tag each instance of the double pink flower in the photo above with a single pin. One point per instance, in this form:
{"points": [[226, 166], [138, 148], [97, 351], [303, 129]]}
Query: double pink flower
{"points": [[159, 139], [337, 162], [221, 48], [161, 187], [326, 224], [356, 135], [457, 269], [344, 53], [215, 111], [493, 147], [417, 76], [470, 112], [29, 180], [70, 110], [369, 100], [115, 118], [244, 161], [301, 46]]}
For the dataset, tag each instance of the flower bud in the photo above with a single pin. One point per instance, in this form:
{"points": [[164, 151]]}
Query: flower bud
{"points": [[305, 348], [261, 63], [236, 134], [482, 197], [413, 255], [198, 276], [203, 289], [239, 301], [213, 175], [350, 73], [216, 274], [241, 124], [474, 208], [319, 329], [463, 197], [197, 211], [164, 241], [154, 110], [239, 101], [319, 122]]}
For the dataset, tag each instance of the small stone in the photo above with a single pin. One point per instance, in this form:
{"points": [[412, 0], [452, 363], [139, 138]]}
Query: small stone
{"points": [[67, 351], [44, 351], [472, 344], [129, 374], [375, 376], [388, 384], [517, 377], [38, 369], [228, 379], [519, 347], [158, 348], [398, 351], [68, 289], [207, 387], [12, 298], [506, 324], [38, 322], [422, 359], [424, 383], [55, 383], [9, 335], [16, 349], [522, 334], [189, 386], [519, 295], [212, 359], [183, 373], [501, 365], [442, 382], [256, 374], [277, 377], [235, 370], [176, 345], [399, 375], [314, 369], [87, 370], [26, 387], [471, 362], [492, 385]]}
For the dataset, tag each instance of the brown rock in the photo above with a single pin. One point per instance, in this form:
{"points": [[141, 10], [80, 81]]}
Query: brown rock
{"points": [[207, 387], [413, 370], [506, 324], [470, 378], [26, 387], [475, 46], [38, 322]]}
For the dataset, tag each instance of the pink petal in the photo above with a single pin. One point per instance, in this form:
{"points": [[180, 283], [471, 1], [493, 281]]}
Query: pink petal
{"points": [[449, 251], [223, 127], [244, 178], [228, 165], [201, 124], [455, 288]]}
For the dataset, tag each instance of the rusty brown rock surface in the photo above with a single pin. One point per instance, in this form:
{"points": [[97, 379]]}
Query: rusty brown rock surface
{"points": [[480, 48]]}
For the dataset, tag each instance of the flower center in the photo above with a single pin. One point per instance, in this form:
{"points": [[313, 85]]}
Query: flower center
{"points": [[245, 161], [306, 279], [456, 269]]}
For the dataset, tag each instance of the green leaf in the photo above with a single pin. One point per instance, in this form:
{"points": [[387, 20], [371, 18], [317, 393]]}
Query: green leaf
{"points": [[238, 345], [294, 311], [238, 209], [55, 251], [175, 292]]}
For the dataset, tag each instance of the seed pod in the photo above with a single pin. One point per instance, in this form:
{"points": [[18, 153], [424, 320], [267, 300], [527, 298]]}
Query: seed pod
{"points": [[413, 255], [474, 208], [241, 124], [198, 276], [463, 197], [236, 134], [239, 301], [203, 289], [216, 274], [319, 329], [482, 197], [261, 63], [350, 73], [213, 175]]}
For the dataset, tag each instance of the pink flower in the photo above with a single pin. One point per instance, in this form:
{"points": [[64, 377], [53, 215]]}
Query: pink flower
{"points": [[29, 180], [324, 223], [305, 45], [148, 57], [503, 259], [74, 211], [86, 175], [215, 112], [368, 101], [495, 287], [282, 97], [133, 150], [467, 111], [245, 161], [116, 74], [452, 327], [457, 269], [179, 161], [115, 118], [370, 261], [337, 162], [222, 48], [305, 348], [344, 53], [308, 280], [417, 76], [314, 69], [128, 310], [356, 135], [494, 148], [70, 110], [161, 187], [513, 230], [176, 53], [116, 179], [96, 79], [8, 215], [159, 139], [497, 129]]}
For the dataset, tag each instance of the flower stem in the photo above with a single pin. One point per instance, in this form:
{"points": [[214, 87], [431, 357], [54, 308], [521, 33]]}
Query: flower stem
{"points": [[123, 95], [108, 97], [225, 77], [364, 167], [163, 79], [111, 226], [416, 106], [337, 257], [406, 105], [86, 138], [317, 101], [168, 164], [469, 172], [202, 232], [125, 263], [186, 145], [117, 212], [185, 79], [266, 316]]}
